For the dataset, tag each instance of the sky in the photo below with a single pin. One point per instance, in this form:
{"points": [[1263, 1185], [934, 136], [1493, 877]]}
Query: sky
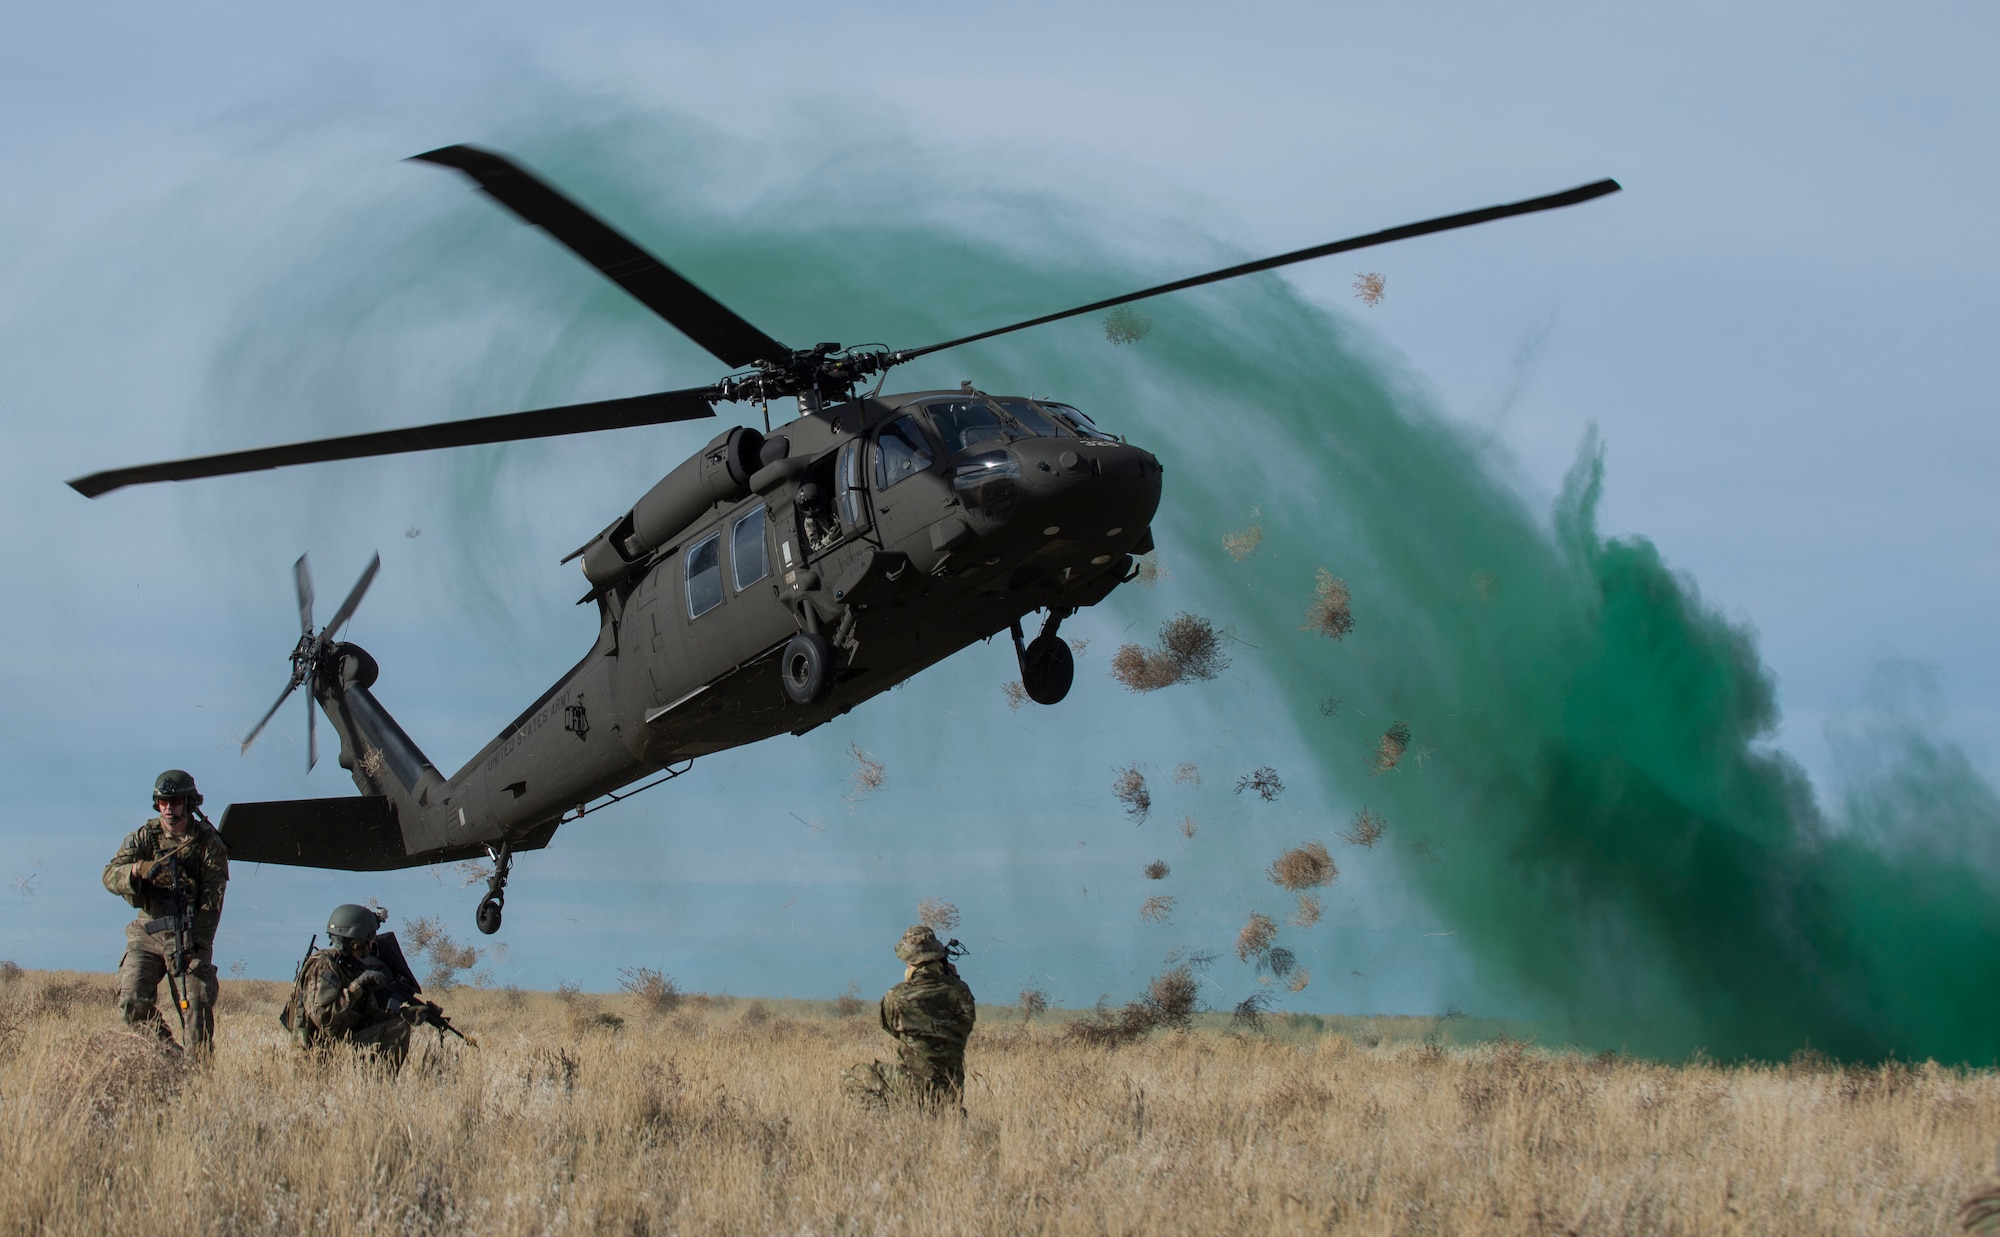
{"points": [[1765, 365]]}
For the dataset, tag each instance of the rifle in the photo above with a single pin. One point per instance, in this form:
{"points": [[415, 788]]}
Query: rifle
{"points": [[180, 940], [402, 989], [294, 1010]]}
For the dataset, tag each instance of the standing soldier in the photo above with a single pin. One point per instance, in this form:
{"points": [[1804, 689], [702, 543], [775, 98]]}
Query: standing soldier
{"points": [[342, 993], [931, 1015], [173, 869]]}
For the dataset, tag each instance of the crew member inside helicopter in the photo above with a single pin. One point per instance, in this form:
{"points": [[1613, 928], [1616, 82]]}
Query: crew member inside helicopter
{"points": [[816, 518]]}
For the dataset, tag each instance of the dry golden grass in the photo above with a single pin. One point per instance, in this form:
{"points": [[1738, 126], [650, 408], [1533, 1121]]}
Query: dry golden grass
{"points": [[1149, 570], [868, 776], [1157, 870], [1264, 781], [1254, 940], [1370, 287], [937, 914], [710, 1120], [1158, 908], [1242, 543], [1331, 613], [1305, 866], [1390, 747], [1309, 911], [1190, 647], [1129, 788], [1126, 325], [1366, 830]]}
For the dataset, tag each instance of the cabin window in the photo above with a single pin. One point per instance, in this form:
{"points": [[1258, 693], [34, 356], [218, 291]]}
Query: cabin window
{"points": [[747, 556], [704, 575], [901, 452], [850, 491]]}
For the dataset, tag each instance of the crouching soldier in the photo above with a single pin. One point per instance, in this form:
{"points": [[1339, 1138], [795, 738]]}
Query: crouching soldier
{"points": [[343, 995], [931, 1015], [173, 869]]}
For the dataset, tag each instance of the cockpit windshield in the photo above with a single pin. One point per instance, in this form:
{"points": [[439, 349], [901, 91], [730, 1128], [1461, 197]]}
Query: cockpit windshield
{"points": [[1037, 422], [972, 423], [1083, 425], [965, 424]]}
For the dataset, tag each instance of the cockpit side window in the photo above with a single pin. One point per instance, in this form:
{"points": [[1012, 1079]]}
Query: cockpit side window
{"points": [[965, 424], [901, 451]]}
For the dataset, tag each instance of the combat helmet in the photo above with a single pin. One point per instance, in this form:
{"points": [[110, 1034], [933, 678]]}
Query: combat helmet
{"points": [[352, 923], [920, 944], [176, 784]]}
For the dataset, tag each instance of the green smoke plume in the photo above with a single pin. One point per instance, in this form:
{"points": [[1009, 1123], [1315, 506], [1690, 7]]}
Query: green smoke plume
{"points": [[1588, 791]]}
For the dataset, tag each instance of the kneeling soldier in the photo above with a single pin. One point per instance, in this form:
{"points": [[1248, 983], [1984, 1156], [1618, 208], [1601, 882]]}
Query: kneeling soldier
{"points": [[931, 1015], [343, 994], [173, 869]]}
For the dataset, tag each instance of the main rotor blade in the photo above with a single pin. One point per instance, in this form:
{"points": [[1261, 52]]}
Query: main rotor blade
{"points": [[651, 282], [312, 734], [609, 414], [302, 579], [346, 610], [272, 712], [1465, 219]]}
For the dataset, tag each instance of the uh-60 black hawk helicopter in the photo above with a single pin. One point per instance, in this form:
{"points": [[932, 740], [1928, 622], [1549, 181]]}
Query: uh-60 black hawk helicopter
{"points": [[769, 583]]}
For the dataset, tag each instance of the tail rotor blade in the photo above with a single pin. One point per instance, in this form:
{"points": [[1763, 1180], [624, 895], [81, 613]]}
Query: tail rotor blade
{"points": [[346, 610], [262, 721], [312, 735], [302, 578]]}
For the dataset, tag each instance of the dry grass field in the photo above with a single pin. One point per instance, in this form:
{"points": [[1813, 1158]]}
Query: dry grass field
{"points": [[725, 1116]]}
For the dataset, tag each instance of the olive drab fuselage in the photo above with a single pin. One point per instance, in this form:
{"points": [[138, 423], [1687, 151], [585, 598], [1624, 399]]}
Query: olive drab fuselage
{"points": [[920, 547]]}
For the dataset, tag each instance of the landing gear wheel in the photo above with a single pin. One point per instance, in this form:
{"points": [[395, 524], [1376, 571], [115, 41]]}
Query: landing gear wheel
{"points": [[807, 667], [488, 914], [1047, 669]]}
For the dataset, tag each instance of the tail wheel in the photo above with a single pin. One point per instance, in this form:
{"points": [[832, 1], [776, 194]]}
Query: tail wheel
{"points": [[1047, 668], [807, 667]]}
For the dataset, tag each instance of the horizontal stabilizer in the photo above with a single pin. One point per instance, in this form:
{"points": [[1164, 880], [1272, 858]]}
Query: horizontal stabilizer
{"points": [[356, 833]]}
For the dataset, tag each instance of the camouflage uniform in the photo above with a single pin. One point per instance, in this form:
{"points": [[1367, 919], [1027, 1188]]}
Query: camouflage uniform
{"points": [[931, 1015], [203, 862], [340, 1011]]}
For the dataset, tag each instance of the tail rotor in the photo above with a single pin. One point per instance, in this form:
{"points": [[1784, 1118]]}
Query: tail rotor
{"points": [[310, 652]]}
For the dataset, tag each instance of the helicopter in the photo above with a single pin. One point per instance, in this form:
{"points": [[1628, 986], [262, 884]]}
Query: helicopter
{"points": [[766, 585]]}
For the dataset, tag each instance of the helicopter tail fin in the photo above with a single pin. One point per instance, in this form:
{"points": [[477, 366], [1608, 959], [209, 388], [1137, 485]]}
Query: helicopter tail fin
{"points": [[355, 833]]}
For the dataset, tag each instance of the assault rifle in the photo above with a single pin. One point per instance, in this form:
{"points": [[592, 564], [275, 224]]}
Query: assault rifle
{"points": [[401, 992], [179, 928]]}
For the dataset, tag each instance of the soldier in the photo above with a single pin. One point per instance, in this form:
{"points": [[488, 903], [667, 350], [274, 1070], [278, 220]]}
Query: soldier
{"points": [[342, 993], [173, 869], [931, 1015]]}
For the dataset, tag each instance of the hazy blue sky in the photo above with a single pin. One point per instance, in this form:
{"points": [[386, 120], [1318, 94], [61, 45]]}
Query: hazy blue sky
{"points": [[1782, 331]]}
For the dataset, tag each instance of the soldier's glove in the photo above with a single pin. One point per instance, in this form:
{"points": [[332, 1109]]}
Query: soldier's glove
{"points": [[158, 873], [367, 981]]}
